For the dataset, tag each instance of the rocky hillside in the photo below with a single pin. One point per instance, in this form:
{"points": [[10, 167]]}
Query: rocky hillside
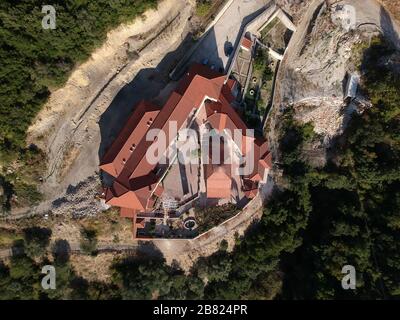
{"points": [[322, 57]]}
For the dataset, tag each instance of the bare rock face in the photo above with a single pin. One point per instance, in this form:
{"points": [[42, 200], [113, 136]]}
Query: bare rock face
{"points": [[324, 53], [295, 8], [326, 115], [324, 60], [314, 81]]}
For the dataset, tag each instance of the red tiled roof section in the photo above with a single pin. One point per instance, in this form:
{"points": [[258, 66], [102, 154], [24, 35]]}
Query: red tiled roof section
{"points": [[128, 213], [194, 87], [203, 71], [262, 160], [250, 188], [219, 183], [266, 160], [129, 137], [222, 116], [246, 43], [133, 170], [231, 84], [127, 200], [217, 172], [136, 186], [251, 193], [136, 197]]}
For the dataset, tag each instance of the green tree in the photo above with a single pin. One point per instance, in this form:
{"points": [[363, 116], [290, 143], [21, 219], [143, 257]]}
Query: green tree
{"points": [[37, 240]]}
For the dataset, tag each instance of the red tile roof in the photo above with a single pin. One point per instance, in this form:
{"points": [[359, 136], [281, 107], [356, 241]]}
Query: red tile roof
{"points": [[218, 173], [246, 43], [222, 116], [130, 136], [128, 213], [136, 183], [134, 179], [219, 183]]}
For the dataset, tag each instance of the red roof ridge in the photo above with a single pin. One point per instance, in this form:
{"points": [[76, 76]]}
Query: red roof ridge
{"points": [[136, 186]]}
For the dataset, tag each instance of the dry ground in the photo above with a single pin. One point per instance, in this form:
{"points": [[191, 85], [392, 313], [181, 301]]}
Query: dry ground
{"points": [[68, 126], [95, 268], [319, 57], [393, 6], [110, 227]]}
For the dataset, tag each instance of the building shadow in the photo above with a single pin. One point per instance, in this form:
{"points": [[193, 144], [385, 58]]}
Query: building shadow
{"points": [[388, 29], [151, 84], [183, 175], [147, 249], [154, 84], [206, 53], [148, 84]]}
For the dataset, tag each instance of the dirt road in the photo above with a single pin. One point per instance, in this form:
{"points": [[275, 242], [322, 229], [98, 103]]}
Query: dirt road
{"points": [[185, 252]]}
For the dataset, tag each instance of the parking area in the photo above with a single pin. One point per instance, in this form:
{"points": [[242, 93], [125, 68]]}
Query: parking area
{"points": [[217, 46]]}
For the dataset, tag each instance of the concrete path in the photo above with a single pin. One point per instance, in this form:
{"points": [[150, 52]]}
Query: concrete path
{"points": [[219, 42]]}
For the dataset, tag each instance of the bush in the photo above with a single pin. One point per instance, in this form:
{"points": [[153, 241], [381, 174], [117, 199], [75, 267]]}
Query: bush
{"points": [[88, 241], [210, 217], [36, 241], [35, 61], [203, 7]]}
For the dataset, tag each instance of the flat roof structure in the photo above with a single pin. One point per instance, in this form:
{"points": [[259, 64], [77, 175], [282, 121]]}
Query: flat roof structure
{"points": [[246, 44]]}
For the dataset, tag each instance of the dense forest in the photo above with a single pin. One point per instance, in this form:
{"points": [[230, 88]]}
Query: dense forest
{"points": [[355, 201], [35, 61], [347, 212]]}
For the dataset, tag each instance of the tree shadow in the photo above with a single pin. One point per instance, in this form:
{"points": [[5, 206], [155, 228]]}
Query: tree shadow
{"points": [[18, 248], [61, 251], [37, 234], [148, 250], [8, 191]]}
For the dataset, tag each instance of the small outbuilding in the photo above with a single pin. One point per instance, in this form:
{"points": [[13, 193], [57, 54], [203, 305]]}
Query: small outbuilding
{"points": [[246, 44]]}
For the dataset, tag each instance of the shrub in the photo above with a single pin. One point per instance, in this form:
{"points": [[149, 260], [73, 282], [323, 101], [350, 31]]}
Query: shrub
{"points": [[88, 241]]}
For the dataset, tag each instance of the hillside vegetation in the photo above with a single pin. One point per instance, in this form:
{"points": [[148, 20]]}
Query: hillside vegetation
{"points": [[344, 213], [35, 62], [354, 202]]}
